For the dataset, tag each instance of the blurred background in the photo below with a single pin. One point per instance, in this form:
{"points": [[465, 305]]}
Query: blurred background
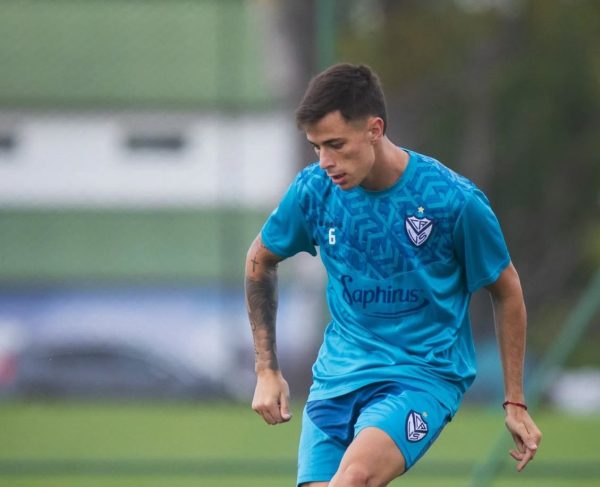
{"points": [[143, 144]]}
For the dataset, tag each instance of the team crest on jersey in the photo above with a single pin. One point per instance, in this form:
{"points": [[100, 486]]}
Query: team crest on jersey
{"points": [[418, 229], [416, 427]]}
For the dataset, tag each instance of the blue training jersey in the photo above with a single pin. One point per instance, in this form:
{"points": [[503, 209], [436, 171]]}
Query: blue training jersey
{"points": [[401, 264]]}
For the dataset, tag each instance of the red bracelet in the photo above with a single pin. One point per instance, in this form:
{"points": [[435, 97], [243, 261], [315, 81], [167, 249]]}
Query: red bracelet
{"points": [[520, 404]]}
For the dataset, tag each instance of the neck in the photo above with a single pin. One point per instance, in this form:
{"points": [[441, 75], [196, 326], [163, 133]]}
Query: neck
{"points": [[390, 164]]}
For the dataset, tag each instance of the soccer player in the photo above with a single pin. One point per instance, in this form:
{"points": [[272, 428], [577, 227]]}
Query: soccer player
{"points": [[405, 242]]}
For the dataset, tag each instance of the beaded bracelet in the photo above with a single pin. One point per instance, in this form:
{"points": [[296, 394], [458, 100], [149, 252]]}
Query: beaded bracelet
{"points": [[519, 404]]}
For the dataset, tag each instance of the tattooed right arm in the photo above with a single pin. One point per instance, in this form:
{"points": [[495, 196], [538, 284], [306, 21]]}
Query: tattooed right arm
{"points": [[271, 396], [261, 303]]}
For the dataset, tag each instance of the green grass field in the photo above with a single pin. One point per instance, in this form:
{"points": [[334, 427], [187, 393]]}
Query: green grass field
{"points": [[225, 445]]}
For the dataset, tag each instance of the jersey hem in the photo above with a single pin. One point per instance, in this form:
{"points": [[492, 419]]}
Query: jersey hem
{"points": [[492, 278], [449, 399], [273, 248], [277, 250]]}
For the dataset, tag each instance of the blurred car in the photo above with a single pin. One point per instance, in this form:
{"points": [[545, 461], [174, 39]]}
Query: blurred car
{"points": [[146, 341], [106, 370]]}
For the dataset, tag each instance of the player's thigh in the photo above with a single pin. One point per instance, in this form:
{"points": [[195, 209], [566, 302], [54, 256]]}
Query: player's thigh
{"points": [[411, 419], [315, 484], [373, 458]]}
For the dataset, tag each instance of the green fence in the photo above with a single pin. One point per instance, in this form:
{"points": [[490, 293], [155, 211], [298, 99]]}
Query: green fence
{"points": [[115, 53], [126, 245]]}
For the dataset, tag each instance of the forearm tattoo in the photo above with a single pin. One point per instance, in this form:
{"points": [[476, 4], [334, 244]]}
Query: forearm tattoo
{"points": [[261, 303]]}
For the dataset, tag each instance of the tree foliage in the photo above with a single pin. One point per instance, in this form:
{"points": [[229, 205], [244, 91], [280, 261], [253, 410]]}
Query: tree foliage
{"points": [[507, 93]]}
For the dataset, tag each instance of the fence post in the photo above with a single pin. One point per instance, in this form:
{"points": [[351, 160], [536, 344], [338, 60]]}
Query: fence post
{"points": [[326, 33]]}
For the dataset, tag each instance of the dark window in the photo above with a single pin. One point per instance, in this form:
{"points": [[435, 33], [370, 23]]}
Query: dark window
{"points": [[155, 142], [8, 143]]}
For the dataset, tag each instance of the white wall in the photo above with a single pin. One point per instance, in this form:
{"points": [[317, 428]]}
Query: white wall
{"points": [[66, 160]]}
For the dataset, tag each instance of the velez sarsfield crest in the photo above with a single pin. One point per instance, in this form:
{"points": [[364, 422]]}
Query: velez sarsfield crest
{"points": [[416, 427], [418, 229]]}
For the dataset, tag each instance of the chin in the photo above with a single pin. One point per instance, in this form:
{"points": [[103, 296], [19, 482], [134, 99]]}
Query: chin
{"points": [[348, 185]]}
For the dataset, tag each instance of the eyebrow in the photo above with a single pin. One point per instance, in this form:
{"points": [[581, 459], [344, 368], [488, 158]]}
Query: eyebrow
{"points": [[328, 141]]}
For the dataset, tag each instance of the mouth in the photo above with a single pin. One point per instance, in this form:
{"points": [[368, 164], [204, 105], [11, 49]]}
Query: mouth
{"points": [[338, 178]]}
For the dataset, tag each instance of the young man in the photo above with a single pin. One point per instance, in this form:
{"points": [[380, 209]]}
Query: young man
{"points": [[405, 241]]}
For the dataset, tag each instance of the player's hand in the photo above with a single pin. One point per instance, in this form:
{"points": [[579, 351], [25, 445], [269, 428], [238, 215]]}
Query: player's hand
{"points": [[525, 433], [272, 397]]}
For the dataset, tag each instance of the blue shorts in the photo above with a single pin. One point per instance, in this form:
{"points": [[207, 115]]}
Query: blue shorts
{"points": [[413, 419]]}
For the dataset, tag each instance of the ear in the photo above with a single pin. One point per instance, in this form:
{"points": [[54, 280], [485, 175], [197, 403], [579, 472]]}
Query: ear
{"points": [[375, 127]]}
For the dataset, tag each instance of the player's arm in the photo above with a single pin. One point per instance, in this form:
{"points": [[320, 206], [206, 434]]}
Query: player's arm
{"points": [[271, 397], [511, 324]]}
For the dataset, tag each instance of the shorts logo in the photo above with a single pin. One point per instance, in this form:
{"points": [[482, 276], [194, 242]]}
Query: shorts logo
{"points": [[418, 229], [416, 427]]}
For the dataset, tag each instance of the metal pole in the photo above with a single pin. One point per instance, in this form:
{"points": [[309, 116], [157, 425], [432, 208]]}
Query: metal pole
{"points": [[577, 323], [326, 33]]}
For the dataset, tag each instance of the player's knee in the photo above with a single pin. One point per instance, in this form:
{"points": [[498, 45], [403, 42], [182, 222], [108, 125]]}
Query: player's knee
{"points": [[356, 475]]}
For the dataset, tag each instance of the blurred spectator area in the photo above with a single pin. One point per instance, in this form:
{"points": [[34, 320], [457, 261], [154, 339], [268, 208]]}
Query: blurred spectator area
{"points": [[142, 145]]}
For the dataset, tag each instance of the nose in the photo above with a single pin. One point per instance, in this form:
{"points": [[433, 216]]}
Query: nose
{"points": [[326, 162]]}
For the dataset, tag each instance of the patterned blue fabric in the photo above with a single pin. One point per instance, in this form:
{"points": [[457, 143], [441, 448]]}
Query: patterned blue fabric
{"points": [[402, 264]]}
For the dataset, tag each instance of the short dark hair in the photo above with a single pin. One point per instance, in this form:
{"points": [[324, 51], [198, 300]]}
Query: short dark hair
{"points": [[354, 90]]}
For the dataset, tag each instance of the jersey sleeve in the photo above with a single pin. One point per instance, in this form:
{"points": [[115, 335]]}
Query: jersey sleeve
{"points": [[286, 232], [479, 243]]}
